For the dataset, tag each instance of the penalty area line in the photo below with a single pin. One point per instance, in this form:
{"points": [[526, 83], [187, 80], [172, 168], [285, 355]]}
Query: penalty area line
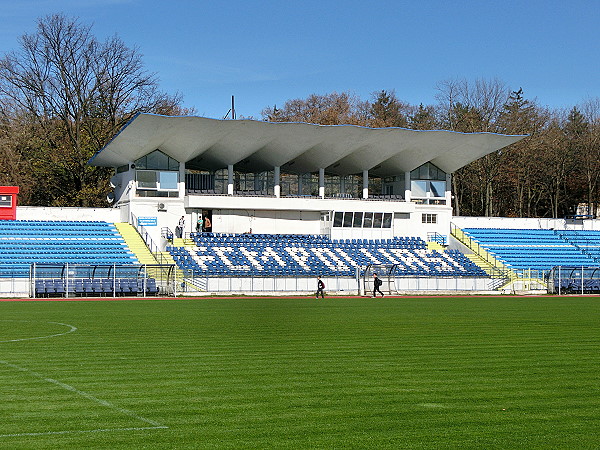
{"points": [[67, 387]]}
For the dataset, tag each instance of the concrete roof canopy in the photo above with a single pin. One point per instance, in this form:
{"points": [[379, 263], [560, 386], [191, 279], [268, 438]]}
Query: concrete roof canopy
{"points": [[254, 146]]}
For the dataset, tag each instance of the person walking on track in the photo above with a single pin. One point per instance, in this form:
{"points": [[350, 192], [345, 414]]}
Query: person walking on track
{"points": [[376, 284], [320, 287]]}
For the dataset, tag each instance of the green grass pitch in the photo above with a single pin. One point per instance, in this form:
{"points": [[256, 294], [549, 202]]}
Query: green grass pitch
{"points": [[473, 372]]}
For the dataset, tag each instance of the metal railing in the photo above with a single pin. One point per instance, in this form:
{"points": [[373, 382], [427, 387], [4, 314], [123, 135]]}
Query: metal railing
{"points": [[152, 246]]}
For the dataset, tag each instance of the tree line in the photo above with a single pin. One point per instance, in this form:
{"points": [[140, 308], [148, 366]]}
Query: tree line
{"points": [[64, 94], [547, 174]]}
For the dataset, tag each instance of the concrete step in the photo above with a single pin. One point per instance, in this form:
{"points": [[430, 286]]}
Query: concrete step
{"points": [[135, 243]]}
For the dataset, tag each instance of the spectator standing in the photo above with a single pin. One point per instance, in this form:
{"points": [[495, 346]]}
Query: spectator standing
{"points": [[199, 224], [180, 227]]}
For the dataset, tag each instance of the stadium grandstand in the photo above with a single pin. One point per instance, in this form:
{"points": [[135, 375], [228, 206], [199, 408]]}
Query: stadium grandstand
{"points": [[202, 205]]}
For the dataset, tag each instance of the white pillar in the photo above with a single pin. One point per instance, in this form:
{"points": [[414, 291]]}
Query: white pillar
{"points": [[321, 183], [181, 185], [365, 184], [230, 179], [448, 189], [407, 191], [277, 182]]}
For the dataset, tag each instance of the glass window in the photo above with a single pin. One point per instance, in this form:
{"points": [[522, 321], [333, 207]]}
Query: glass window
{"points": [[347, 219], [337, 219], [418, 188], [358, 217], [368, 222], [427, 172], [168, 180], [387, 220], [146, 179], [157, 160], [5, 201], [377, 219], [429, 218], [437, 188]]}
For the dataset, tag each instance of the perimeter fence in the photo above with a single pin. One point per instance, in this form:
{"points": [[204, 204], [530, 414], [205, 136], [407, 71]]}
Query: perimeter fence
{"points": [[70, 280]]}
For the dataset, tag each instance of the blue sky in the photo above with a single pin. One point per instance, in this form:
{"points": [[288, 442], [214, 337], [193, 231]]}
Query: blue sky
{"points": [[267, 52]]}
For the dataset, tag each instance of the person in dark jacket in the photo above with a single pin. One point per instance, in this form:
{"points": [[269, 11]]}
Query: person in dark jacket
{"points": [[320, 287], [376, 284]]}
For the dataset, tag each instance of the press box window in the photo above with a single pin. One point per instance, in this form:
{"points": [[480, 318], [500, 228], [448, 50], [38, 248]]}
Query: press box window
{"points": [[362, 220], [338, 218], [429, 218], [347, 220], [154, 180]]}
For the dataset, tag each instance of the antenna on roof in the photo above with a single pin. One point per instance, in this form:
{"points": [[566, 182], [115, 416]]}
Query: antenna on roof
{"points": [[231, 110]]}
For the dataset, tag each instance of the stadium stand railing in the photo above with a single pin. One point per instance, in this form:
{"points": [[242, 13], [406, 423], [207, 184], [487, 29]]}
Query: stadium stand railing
{"points": [[495, 268]]}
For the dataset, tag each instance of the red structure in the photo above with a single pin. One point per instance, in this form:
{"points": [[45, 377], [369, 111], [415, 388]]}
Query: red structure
{"points": [[8, 202]]}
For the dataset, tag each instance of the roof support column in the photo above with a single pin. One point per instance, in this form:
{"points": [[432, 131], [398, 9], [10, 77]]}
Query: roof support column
{"points": [[321, 183], [365, 184], [448, 189], [230, 179], [277, 181], [407, 187]]}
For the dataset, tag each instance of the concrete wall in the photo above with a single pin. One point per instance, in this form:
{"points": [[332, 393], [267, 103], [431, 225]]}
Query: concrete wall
{"points": [[525, 223], [57, 213]]}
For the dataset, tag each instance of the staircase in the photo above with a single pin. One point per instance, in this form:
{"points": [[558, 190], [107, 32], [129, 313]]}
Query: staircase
{"points": [[185, 281], [135, 242], [505, 277], [432, 245], [139, 248], [183, 242]]}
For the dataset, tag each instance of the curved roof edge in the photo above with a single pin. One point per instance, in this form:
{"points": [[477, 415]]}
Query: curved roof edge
{"points": [[212, 144]]}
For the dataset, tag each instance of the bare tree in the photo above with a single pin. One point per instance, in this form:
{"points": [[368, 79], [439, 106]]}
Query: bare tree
{"points": [[79, 92], [473, 107], [590, 153], [328, 109]]}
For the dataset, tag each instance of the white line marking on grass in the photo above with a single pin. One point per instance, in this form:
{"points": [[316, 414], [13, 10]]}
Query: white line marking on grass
{"points": [[71, 330], [84, 394], [433, 405], [99, 430]]}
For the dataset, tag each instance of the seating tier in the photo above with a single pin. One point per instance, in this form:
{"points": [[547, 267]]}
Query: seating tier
{"points": [[310, 255], [25, 242], [523, 249]]}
